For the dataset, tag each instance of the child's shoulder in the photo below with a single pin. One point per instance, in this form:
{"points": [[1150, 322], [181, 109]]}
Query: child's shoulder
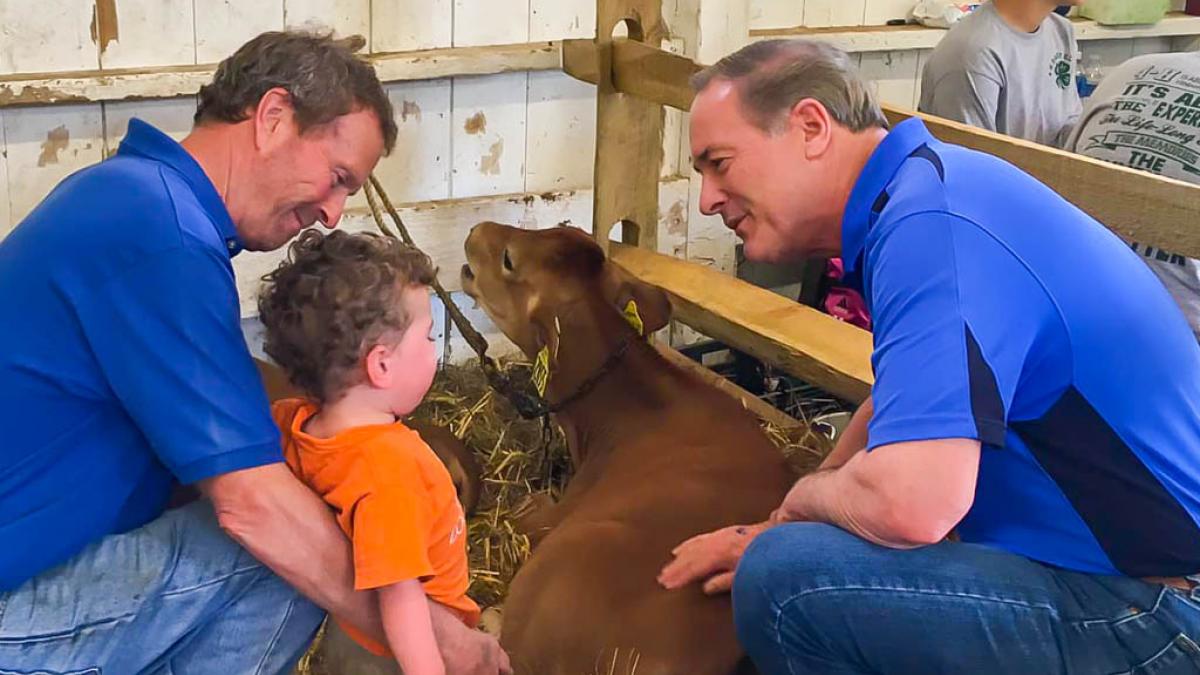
{"points": [[285, 410], [399, 446], [286, 405]]}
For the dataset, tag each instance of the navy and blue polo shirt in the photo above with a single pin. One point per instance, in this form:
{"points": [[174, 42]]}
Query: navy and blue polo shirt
{"points": [[121, 356], [1003, 313]]}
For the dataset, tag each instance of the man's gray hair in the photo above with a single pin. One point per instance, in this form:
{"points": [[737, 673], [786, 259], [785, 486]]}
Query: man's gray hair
{"points": [[773, 75]]}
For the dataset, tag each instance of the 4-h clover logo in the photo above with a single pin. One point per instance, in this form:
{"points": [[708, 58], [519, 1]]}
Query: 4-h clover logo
{"points": [[1060, 70]]}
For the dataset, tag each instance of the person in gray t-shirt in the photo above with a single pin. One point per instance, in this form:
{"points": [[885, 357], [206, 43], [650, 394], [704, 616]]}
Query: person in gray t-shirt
{"points": [[1146, 115], [1008, 67]]}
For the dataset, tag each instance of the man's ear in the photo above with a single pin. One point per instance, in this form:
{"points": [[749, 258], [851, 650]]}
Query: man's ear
{"points": [[273, 116], [812, 122], [650, 302]]}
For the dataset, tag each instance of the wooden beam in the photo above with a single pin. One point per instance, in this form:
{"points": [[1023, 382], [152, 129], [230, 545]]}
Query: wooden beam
{"points": [[800, 340], [1134, 204], [639, 69], [24, 89], [629, 130]]}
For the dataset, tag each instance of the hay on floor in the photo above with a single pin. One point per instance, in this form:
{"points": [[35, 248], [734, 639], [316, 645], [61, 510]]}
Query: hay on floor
{"points": [[517, 463]]}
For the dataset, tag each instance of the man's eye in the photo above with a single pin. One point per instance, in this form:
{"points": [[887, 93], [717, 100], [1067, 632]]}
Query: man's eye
{"points": [[720, 164]]}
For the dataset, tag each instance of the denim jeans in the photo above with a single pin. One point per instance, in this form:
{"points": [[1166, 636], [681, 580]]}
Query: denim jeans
{"points": [[175, 596], [811, 598]]}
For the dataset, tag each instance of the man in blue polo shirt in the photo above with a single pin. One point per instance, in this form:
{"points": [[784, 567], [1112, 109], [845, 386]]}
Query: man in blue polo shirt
{"points": [[1051, 417], [125, 375]]}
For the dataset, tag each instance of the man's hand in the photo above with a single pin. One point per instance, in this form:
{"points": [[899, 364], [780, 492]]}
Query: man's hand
{"points": [[466, 651], [713, 557]]}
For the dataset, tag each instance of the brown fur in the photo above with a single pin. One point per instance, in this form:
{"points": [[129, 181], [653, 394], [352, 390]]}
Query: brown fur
{"points": [[659, 455]]}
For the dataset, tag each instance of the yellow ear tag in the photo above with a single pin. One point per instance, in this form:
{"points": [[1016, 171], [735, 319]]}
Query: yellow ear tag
{"points": [[634, 319], [541, 371]]}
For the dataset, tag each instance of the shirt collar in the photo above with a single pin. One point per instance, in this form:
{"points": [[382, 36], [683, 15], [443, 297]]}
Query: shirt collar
{"points": [[144, 140], [895, 147]]}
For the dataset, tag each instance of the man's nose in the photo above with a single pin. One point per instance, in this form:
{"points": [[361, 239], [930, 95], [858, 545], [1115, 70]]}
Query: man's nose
{"points": [[712, 198], [331, 210]]}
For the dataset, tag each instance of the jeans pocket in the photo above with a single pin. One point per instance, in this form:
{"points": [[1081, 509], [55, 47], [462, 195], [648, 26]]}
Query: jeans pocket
{"points": [[1180, 656]]}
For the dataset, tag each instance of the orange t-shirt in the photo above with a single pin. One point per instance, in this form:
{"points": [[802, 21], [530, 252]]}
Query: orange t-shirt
{"points": [[393, 498]]}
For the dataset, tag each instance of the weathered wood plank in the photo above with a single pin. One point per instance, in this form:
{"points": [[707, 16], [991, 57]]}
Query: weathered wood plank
{"points": [[149, 33], [419, 168], [6, 221], [627, 127], [224, 25], [558, 19], [879, 12], [490, 22], [893, 75], [343, 17], [36, 38], [641, 70], [1152, 45], [172, 116], [488, 135], [834, 12], [440, 227], [799, 340], [560, 151], [403, 25], [46, 145], [148, 83], [767, 14]]}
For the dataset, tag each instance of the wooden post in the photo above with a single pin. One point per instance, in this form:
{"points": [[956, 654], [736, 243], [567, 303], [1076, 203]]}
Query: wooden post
{"points": [[629, 132]]}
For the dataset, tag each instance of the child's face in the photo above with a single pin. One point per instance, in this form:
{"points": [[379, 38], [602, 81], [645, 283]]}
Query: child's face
{"points": [[414, 356]]}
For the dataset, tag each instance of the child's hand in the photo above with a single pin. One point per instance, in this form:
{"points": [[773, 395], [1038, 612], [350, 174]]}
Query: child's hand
{"points": [[406, 620]]}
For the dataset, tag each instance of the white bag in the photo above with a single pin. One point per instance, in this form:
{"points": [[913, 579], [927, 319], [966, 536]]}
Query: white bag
{"points": [[941, 13]]}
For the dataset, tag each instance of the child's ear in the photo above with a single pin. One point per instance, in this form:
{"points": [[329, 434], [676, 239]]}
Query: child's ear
{"points": [[381, 372]]}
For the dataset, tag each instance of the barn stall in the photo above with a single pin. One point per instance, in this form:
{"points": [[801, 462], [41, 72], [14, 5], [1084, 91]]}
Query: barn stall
{"points": [[531, 112], [490, 125]]}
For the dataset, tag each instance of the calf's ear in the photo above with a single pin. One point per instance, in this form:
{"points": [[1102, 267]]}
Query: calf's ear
{"points": [[652, 307]]}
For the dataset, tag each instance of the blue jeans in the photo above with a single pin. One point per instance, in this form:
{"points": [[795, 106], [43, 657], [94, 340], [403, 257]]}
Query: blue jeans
{"points": [[174, 597], [811, 598]]}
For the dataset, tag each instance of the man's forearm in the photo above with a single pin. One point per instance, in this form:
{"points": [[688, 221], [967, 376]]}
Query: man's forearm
{"points": [[833, 496], [901, 495], [291, 531], [853, 438]]}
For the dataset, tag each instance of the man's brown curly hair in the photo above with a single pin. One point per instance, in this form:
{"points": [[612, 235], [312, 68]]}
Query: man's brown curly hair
{"points": [[332, 300]]}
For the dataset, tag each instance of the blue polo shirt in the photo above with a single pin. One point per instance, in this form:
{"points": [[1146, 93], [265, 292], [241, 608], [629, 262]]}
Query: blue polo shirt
{"points": [[121, 356], [1003, 313]]}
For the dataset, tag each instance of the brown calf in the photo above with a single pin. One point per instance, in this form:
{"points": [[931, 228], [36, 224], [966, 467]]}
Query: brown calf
{"points": [[659, 456]]}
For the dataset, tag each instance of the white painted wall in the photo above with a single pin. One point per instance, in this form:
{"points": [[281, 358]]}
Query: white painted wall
{"points": [[470, 148]]}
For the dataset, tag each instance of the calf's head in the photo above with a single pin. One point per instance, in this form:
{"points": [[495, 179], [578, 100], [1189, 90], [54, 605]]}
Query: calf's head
{"points": [[530, 282]]}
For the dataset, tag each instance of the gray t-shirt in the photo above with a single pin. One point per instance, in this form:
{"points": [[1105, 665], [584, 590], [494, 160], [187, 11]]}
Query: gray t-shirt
{"points": [[1146, 115], [988, 74]]}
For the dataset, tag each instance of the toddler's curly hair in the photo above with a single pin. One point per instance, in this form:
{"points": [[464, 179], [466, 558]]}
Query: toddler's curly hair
{"points": [[332, 300]]}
